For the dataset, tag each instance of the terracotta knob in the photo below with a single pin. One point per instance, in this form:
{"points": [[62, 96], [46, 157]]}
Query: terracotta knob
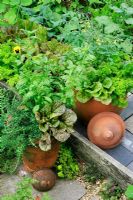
{"points": [[106, 130]]}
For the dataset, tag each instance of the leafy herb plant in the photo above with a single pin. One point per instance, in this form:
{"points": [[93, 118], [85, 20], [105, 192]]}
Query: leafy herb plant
{"points": [[66, 165]]}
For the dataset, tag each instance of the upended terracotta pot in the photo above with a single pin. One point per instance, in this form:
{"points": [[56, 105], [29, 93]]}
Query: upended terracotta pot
{"points": [[35, 159], [89, 109], [106, 130]]}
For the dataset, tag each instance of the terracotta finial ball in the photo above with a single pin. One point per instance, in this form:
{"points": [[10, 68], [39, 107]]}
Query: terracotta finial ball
{"points": [[106, 130], [44, 179]]}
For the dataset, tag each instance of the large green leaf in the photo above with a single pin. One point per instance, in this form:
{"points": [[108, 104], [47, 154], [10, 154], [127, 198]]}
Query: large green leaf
{"points": [[112, 27], [15, 2], [10, 16], [26, 2], [2, 7], [103, 20]]}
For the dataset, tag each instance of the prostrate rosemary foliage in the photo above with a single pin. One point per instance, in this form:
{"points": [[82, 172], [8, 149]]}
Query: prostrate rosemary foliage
{"points": [[18, 130]]}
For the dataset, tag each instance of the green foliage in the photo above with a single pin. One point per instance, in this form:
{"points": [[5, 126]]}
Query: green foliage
{"points": [[18, 130], [129, 192], [110, 190], [24, 192], [10, 10], [66, 165], [103, 73], [56, 121]]}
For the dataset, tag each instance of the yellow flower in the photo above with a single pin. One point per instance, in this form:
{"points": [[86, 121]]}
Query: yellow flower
{"points": [[17, 49]]}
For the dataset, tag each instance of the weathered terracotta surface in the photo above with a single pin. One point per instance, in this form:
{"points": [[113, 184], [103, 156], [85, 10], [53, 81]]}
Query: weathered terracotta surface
{"points": [[106, 130], [36, 159], [44, 179], [89, 109]]}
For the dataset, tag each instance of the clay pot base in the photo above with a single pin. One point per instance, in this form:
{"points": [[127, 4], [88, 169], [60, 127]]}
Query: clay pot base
{"points": [[89, 109], [106, 130]]}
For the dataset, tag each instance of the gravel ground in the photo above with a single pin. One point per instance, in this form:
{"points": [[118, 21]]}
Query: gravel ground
{"points": [[92, 190]]}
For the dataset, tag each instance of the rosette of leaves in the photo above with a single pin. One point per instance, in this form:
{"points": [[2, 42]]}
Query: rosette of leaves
{"points": [[56, 121]]}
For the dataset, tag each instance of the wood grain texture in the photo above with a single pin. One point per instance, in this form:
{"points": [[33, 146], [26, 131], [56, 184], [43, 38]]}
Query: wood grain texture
{"points": [[87, 152]]}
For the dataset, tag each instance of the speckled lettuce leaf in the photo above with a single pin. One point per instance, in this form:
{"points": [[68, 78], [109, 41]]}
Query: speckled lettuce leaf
{"points": [[45, 142], [58, 110], [43, 127], [69, 117], [61, 135]]}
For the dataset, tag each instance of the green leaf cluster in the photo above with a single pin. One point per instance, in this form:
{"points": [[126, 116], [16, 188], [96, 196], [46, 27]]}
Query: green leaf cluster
{"points": [[66, 165], [129, 192]]}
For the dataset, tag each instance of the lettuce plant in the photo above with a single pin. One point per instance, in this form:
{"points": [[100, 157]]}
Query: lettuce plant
{"points": [[56, 121]]}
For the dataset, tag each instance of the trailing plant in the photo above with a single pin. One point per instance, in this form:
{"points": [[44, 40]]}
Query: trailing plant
{"points": [[66, 165], [54, 121], [24, 192], [110, 190], [18, 130], [129, 192], [92, 173]]}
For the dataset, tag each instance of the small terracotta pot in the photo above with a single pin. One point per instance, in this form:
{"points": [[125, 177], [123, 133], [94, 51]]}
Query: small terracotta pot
{"points": [[106, 130], [89, 109], [35, 159]]}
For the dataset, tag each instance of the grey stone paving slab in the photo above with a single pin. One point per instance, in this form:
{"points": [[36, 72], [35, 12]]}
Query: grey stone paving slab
{"points": [[130, 166], [127, 141], [129, 124], [129, 110], [121, 154], [63, 190]]}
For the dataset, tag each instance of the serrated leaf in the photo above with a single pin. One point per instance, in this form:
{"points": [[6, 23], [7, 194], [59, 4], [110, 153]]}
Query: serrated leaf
{"points": [[107, 83], [129, 21], [82, 98], [69, 117], [26, 2]]}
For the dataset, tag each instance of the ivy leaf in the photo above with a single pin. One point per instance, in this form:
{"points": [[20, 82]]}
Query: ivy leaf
{"points": [[26, 2], [107, 83], [129, 21], [10, 16]]}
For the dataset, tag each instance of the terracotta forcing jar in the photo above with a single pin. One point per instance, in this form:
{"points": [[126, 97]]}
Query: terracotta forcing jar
{"points": [[89, 109], [106, 130], [35, 159]]}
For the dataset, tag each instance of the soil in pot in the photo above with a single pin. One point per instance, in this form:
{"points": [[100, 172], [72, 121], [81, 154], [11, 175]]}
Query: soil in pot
{"points": [[87, 110], [35, 159]]}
